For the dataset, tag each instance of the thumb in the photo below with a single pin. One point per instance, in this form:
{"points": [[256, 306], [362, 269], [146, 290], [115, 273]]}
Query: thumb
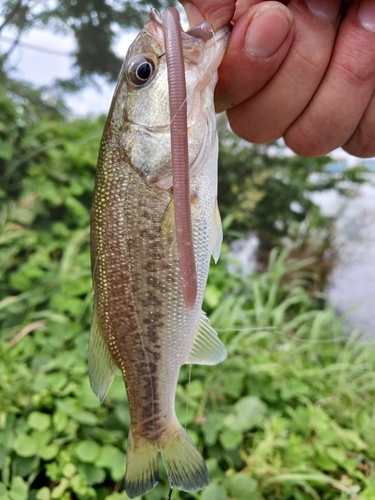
{"points": [[258, 44]]}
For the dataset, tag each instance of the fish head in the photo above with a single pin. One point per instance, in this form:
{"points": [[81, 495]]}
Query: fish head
{"points": [[139, 117]]}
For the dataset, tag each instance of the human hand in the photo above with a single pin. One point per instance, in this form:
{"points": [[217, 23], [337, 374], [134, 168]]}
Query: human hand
{"points": [[305, 74]]}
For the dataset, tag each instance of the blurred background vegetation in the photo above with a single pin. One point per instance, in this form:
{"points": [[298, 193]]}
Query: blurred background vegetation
{"points": [[289, 415]]}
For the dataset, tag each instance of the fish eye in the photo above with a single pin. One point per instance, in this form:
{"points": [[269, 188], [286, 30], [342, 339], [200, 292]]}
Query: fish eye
{"points": [[141, 70]]}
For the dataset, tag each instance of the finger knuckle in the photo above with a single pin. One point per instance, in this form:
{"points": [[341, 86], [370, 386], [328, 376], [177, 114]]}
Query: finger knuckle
{"points": [[361, 144], [354, 68]]}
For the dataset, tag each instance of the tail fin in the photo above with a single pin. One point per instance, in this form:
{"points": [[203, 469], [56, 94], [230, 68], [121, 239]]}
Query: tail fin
{"points": [[141, 466], [185, 466]]}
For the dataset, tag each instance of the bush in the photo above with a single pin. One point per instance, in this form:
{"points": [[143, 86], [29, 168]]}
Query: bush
{"points": [[287, 416]]}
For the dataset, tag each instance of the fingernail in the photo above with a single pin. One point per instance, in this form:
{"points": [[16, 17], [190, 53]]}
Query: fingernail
{"points": [[328, 9], [267, 31], [366, 14]]}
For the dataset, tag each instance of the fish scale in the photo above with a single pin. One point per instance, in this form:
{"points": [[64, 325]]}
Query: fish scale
{"points": [[140, 321]]}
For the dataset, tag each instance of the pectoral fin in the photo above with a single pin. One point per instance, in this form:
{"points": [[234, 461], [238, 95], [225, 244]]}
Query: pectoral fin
{"points": [[167, 223], [217, 234], [207, 348], [102, 368]]}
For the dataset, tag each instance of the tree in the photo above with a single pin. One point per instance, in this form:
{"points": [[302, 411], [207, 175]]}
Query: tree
{"points": [[267, 191], [94, 24]]}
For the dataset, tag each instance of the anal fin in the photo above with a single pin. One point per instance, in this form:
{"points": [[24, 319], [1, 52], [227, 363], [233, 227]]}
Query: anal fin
{"points": [[102, 368], [207, 348]]}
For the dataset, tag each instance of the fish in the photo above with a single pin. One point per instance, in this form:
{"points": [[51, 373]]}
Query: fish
{"points": [[141, 324]]}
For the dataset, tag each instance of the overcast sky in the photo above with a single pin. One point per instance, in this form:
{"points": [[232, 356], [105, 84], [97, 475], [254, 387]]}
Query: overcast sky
{"points": [[43, 57]]}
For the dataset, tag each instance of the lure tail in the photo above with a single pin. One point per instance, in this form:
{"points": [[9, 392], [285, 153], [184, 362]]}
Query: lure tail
{"points": [[185, 466]]}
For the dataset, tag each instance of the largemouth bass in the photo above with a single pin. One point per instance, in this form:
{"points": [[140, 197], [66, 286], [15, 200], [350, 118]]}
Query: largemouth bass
{"points": [[141, 324]]}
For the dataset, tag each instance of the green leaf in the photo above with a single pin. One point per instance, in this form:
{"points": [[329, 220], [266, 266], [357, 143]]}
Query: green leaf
{"points": [[69, 470], [60, 420], [195, 389], [7, 438], [92, 474], [19, 489], [250, 412], [87, 451], [336, 454], [212, 296], [87, 397], [3, 492], [123, 415], [3, 455], [39, 421], [42, 438], [210, 435], [299, 477], [6, 150], [214, 492], [108, 456], [213, 424], [58, 490], [294, 388], [43, 494], [119, 496], [118, 470], [213, 468], [240, 486], [325, 463], [25, 446], [233, 384], [79, 486], [24, 466], [48, 452], [85, 417], [215, 420], [230, 439]]}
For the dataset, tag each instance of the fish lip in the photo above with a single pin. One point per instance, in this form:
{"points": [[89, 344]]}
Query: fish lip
{"points": [[154, 15]]}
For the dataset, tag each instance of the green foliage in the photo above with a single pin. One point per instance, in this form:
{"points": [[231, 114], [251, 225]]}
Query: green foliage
{"points": [[286, 416], [273, 191], [47, 182], [289, 414]]}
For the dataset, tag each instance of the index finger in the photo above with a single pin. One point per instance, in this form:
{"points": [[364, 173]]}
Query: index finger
{"points": [[218, 13]]}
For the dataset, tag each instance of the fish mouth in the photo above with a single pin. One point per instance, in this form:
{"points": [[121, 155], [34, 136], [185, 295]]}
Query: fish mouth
{"points": [[202, 30], [201, 33], [154, 15]]}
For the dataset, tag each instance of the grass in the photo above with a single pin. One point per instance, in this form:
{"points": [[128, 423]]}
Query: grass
{"points": [[289, 414]]}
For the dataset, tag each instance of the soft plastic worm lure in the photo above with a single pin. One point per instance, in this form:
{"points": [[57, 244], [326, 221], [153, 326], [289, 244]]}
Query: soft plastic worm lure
{"points": [[180, 157]]}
